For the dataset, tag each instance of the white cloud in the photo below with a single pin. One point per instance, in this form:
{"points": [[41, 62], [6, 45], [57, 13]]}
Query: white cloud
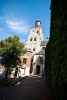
{"points": [[17, 26]]}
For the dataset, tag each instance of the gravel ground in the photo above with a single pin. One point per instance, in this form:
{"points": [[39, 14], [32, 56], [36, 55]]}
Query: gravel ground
{"points": [[30, 88]]}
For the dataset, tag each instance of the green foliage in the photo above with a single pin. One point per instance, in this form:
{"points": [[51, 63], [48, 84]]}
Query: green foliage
{"points": [[56, 50], [7, 81], [10, 50]]}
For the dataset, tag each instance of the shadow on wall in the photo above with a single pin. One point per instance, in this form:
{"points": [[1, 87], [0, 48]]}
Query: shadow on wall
{"points": [[31, 65]]}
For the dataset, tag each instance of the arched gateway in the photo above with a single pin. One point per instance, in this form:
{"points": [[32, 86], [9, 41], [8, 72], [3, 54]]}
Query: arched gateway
{"points": [[37, 65]]}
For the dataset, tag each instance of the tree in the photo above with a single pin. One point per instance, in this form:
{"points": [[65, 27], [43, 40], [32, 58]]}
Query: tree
{"points": [[10, 51]]}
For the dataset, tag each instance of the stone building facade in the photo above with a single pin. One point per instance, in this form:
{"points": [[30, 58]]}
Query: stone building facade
{"points": [[37, 46], [35, 37]]}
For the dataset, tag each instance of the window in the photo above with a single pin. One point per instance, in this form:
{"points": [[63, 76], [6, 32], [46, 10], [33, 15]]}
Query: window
{"points": [[35, 39], [31, 39], [33, 49], [37, 31], [24, 60]]}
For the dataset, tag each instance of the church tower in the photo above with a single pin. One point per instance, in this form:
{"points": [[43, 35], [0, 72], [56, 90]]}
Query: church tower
{"points": [[35, 38]]}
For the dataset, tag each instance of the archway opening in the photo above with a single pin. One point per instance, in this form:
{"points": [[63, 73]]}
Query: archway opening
{"points": [[37, 69]]}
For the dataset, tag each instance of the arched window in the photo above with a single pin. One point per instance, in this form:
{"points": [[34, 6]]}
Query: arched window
{"points": [[31, 39], [37, 31], [35, 39], [33, 49]]}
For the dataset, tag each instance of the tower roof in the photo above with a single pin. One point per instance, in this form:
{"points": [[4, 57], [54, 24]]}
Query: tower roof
{"points": [[38, 23]]}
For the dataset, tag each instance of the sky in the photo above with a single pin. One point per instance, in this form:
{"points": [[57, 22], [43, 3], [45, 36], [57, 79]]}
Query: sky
{"points": [[18, 16]]}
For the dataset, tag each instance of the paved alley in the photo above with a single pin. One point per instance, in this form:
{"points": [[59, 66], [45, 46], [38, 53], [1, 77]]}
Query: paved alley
{"points": [[30, 88]]}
